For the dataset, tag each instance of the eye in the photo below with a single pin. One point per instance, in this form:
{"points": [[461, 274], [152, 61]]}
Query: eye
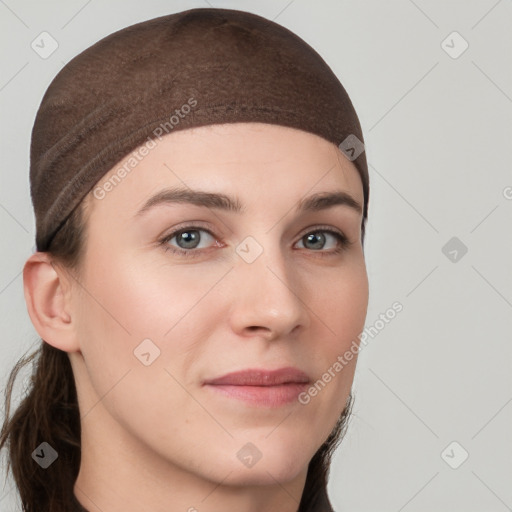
{"points": [[188, 239], [317, 239]]}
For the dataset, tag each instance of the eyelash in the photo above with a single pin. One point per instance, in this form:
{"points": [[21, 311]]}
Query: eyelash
{"points": [[344, 242]]}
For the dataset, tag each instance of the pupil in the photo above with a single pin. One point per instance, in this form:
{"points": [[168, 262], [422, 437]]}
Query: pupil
{"points": [[318, 236], [191, 238]]}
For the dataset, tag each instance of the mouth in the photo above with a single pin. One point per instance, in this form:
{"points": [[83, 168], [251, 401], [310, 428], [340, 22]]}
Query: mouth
{"points": [[260, 387]]}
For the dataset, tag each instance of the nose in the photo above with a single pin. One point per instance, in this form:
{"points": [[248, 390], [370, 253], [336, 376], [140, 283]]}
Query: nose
{"points": [[268, 301]]}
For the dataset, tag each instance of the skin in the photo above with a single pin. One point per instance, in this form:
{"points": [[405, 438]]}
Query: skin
{"points": [[153, 437]]}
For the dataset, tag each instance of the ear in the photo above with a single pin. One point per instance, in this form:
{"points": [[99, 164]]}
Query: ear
{"points": [[48, 298]]}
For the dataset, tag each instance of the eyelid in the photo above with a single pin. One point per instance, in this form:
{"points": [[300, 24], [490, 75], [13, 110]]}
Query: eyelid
{"points": [[189, 225], [320, 227]]}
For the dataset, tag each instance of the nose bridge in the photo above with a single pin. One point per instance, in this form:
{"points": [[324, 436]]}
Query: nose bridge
{"points": [[268, 290]]}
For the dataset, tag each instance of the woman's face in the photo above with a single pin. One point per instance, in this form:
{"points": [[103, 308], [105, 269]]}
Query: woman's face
{"points": [[263, 286]]}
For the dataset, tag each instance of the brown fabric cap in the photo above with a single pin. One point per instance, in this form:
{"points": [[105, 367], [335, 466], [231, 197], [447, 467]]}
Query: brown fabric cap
{"points": [[193, 68]]}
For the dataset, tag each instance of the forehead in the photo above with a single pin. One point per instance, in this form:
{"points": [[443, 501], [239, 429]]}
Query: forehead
{"points": [[260, 163]]}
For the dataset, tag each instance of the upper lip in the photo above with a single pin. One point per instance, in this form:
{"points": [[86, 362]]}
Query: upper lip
{"points": [[262, 377]]}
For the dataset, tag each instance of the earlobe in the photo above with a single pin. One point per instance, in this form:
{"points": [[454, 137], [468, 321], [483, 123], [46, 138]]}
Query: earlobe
{"points": [[48, 302]]}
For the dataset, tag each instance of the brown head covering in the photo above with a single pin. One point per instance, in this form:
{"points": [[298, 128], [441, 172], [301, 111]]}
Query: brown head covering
{"points": [[193, 68]]}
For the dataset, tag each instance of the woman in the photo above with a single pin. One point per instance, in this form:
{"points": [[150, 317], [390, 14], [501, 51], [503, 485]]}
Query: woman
{"points": [[201, 191]]}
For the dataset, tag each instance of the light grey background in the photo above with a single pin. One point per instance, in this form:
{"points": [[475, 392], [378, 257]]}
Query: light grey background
{"points": [[438, 140]]}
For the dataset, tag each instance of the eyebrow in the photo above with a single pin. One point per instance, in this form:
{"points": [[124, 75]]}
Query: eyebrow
{"points": [[219, 201]]}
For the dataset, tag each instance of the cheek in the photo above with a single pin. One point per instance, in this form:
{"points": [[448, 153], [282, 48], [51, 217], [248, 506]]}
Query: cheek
{"points": [[341, 313], [129, 301], [124, 308], [343, 306], [144, 298]]}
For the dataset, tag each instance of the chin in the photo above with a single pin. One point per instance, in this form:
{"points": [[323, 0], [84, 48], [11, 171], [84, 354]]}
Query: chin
{"points": [[267, 474], [276, 464]]}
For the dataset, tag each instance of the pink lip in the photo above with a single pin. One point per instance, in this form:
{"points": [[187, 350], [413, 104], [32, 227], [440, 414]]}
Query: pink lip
{"points": [[262, 387]]}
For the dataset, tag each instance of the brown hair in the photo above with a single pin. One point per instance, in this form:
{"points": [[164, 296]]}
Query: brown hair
{"points": [[49, 413]]}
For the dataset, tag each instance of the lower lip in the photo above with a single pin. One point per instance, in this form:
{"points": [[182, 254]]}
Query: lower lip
{"points": [[266, 396]]}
